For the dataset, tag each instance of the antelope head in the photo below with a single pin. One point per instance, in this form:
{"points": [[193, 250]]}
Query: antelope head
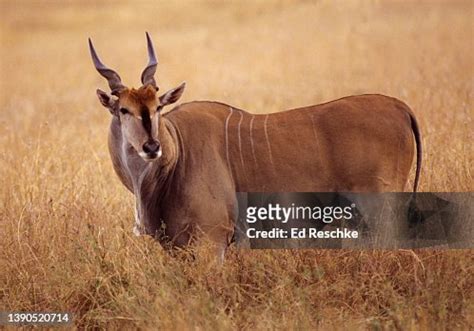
{"points": [[138, 110]]}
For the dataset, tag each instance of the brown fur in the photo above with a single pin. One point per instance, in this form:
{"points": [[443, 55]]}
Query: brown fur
{"points": [[134, 99], [211, 150]]}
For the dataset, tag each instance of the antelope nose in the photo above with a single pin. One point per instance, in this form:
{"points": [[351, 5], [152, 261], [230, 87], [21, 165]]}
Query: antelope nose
{"points": [[151, 147]]}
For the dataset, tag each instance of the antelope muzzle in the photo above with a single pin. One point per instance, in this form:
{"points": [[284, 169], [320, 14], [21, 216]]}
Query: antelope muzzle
{"points": [[151, 150]]}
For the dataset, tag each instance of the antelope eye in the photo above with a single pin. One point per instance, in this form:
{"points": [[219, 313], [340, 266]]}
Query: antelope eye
{"points": [[124, 111]]}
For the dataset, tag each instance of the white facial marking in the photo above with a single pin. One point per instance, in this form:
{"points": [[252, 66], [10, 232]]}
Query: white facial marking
{"points": [[145, 156]]}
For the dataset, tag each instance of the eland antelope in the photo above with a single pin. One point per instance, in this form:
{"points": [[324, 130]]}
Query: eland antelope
{"points": [[184, 167]]}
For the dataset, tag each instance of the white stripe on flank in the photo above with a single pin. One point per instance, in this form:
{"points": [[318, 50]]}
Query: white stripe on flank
{"points": [[227, 135], [318, 147], [266, 138], [240, 140], [251, 140]]}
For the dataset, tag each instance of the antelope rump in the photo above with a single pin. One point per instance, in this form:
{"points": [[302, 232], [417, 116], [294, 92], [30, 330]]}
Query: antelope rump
{"points": [[185, 167]]}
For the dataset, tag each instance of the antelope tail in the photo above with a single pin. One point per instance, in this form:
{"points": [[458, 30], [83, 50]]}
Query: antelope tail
{"points": [[417, 134]]}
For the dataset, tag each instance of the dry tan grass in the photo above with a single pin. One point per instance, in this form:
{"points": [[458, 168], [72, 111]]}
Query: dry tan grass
{"points": [[65, 219]]}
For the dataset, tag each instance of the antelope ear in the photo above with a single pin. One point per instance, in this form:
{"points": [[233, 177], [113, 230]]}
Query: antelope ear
{"points": [[172, 95], [107, 101]]}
